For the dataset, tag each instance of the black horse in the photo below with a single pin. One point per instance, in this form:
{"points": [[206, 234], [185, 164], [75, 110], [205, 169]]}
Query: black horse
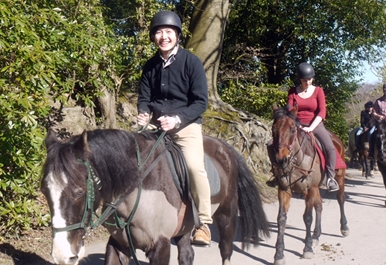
{"points": [[130, 175], [363, 151], [380, 149]]}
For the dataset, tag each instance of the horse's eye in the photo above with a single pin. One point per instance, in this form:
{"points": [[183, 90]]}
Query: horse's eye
{"points": [[78, 193]]}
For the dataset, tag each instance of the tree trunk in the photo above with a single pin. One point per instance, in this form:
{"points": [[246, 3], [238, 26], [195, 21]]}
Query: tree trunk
{"points": [[107, 108], [207, 27]]}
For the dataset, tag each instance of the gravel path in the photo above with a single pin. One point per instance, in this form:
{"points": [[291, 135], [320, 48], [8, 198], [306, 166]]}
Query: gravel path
{"points": [[366, 244]]}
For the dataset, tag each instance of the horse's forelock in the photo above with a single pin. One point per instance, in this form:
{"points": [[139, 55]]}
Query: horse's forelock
{"points": [[284, 112], [64, 166]]}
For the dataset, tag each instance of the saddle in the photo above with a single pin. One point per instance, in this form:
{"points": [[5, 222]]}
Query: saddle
{"points": [[339, 163], [180, 174], [177, 164]]}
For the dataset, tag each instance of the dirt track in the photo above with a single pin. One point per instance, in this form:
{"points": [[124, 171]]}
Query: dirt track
{"points": [[366, 244]]}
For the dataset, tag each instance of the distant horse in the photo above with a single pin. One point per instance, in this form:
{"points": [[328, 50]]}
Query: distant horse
{"points": [[380, 149], [298, 168], [362, 152], [352, 149], [142, 208]]}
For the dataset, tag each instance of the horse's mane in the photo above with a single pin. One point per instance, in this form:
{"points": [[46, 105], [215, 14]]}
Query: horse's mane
{"points": [[283, 112], [113, 157]]}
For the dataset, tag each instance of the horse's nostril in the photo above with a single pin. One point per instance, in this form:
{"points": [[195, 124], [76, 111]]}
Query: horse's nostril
{"points": [[73, 260]]}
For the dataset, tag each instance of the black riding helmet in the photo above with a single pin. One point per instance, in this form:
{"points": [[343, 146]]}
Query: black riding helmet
{"points": [[165, 18], [305, 71], [369, 104]]}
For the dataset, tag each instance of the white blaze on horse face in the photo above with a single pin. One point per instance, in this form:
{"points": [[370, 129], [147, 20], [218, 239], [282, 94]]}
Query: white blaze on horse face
{"points": [[61, 248]]}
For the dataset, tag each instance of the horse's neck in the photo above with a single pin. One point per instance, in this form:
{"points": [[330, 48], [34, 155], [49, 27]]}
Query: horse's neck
{"points": [[304, 145]]}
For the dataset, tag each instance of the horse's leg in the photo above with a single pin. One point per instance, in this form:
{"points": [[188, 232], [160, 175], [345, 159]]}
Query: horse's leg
{"points": [[226, 226], [185, 250], [114, 255], [318, 206], [368, 166], [159, 254], [312, 200], [339, 177], [284, 203], [362, 160], [366, 160], [382, 169]]}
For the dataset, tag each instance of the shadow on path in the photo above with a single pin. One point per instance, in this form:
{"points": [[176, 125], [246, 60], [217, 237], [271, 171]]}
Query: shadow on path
{"points": [[21, 257]]}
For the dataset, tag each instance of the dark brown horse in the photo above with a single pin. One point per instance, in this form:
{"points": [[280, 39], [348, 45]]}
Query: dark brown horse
{"points": [[362, 153], [298, 168], [380, 149], [130, 176]]}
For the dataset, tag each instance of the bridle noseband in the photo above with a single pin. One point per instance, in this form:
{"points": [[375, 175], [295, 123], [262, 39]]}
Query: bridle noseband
{"points": [[92, 181]]}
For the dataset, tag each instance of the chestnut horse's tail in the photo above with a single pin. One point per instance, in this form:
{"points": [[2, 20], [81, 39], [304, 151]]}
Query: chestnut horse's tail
{"points": [[253, 219]]}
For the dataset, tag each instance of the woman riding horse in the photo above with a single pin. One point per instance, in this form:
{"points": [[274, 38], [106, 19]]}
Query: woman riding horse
{"points": [[311, 104], [298, 168]]}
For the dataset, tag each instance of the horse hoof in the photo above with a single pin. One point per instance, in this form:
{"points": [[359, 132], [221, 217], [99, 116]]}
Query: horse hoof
{"points": [[345, 232], [308, 255], [279, 262], [315, 242]]}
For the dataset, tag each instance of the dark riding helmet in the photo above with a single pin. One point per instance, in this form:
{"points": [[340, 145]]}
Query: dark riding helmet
{"points": [[305, 71], [165, 18], [369, 104]]}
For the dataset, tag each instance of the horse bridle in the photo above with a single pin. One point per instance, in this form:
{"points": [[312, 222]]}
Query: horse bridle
{"points": [[93, 180], [290, 148], [293, 158]]}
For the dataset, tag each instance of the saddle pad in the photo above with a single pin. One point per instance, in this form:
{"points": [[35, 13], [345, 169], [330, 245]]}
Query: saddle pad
{"points": [[339, 161], [211, 170], [214, 179]]}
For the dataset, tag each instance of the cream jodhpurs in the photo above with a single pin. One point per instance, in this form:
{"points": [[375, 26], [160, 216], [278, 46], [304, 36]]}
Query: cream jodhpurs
{"points": [[190, 140]]}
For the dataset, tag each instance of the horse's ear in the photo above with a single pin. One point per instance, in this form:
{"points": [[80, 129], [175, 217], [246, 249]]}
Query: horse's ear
{"points": [[81, 145], [50, 138], [294, 110]]}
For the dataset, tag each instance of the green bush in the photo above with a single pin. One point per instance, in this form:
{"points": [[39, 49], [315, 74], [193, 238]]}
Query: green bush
{"points": [[46, 51], [257, 100]]}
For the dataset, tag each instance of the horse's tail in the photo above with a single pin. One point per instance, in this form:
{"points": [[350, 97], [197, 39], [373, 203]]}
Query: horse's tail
{"points": [[253, 219]]}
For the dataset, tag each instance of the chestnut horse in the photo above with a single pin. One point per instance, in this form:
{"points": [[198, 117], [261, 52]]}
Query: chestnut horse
{"points": [[298, 168], [130, 176]]}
